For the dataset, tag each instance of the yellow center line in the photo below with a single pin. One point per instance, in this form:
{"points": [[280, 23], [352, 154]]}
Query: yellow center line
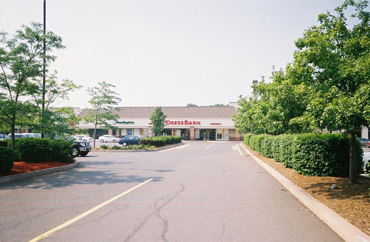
{"points": [[46, 234], [208, 147]]}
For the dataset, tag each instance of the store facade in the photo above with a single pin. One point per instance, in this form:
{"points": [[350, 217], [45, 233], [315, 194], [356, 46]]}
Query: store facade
{"points": [[190, 123]]}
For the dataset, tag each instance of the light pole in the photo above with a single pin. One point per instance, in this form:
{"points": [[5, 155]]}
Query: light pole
{"points": [[43, 77]]}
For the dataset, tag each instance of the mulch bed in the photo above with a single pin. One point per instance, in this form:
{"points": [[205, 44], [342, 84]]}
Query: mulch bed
{"points": [[23, 167]]}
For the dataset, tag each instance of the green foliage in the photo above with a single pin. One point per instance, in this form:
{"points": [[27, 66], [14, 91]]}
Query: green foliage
{"points": [[158, 120], [247, 139], [116, 147], [324, 155], [4, 143], [160, 140], [34, 150], [327, 86], [103, 100], [7, 158], [267, 147], [105, 147], [311, 154], [21, 63], [37, 150], [61, 150]]}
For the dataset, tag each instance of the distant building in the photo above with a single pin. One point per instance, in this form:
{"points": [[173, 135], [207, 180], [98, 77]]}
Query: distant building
{"points": [[190, 123]]}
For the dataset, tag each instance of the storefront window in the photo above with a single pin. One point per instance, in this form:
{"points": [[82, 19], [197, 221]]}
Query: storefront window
{"points": [[129, 131]]}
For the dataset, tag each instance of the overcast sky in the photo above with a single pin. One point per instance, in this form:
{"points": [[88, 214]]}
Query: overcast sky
{"points": [[169, 52]]}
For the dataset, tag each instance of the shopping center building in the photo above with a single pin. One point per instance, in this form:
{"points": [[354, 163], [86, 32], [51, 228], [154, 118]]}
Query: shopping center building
{"points": [[190, 123]]}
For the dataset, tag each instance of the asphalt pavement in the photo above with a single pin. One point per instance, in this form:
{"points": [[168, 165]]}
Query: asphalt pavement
{"points": [[201, 191]]}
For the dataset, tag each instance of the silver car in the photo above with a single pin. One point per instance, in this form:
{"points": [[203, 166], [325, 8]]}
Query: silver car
{"points": [[108, 138]]}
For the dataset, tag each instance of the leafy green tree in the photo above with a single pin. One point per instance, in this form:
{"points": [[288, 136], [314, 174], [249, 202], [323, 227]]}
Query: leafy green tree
{"points": [[272, 108], [21, 60], [103, 100], [191, 105], [333, 63], [56, 120], [158, 120]]}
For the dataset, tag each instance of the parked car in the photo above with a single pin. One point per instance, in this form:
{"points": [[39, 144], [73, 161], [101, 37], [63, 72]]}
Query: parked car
{"points": [[367, 144], [32, 135], [80, 137], [363, 141], [81, 148], [129, 140], [4, 137], [366, 160], [18, 136], [108, 138]]}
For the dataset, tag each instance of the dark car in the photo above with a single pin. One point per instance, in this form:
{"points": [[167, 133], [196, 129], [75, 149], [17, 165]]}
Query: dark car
{"points": [[81, 148], [129, 140]]}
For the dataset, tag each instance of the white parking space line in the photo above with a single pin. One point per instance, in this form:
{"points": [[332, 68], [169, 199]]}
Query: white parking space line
{"points": [[46, 234], [208, 147]]}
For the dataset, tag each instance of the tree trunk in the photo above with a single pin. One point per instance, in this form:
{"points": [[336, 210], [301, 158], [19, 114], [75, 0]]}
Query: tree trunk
{"points": [[352, 158]]}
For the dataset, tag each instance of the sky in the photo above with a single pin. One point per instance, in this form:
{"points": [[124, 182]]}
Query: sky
{"points": [[168, 52]]}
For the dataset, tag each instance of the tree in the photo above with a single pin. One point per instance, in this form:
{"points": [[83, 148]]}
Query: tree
{"points": [[191, 105], [102, 101], [333, 63], [274, 108], [158, 120], [56, 120], [21, 60]]}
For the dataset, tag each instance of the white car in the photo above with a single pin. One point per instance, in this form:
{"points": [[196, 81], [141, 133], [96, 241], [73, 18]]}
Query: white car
{"points": [[108, 138], [366, 160], [81, 137]]}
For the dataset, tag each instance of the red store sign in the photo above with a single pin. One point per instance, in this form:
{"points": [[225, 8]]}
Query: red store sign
{"points": [[182, 122]]}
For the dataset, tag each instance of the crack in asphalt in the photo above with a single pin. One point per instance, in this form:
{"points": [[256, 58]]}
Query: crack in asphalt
{"points": [[156, 212]]}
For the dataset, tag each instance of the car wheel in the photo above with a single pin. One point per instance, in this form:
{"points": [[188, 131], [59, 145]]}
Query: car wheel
{"points": [[75, 152], [101, 141], [367, 167], [84, 153], [124, 144], [114, 141]]}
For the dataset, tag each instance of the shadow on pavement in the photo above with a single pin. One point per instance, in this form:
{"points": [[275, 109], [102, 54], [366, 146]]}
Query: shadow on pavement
{"points": [[77, 176]]}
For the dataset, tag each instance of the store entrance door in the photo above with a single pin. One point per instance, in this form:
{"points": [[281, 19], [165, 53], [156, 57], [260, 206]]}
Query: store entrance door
{"points": [[207, 134]]}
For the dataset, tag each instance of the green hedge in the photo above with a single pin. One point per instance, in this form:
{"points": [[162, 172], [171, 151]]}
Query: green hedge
{"points": [[37, 150], [311, 154], [160, 140], [4, 143], [7, 158]]}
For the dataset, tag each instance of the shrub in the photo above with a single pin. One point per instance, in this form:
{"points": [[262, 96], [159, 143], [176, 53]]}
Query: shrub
{"points": [[324, 155], [4, 143], [104, 147], [7, 158], [160, 140], [116, 147], [285, 153], [33, 149], [247, 139], [266, 146], [61, 150], [309, 154]]}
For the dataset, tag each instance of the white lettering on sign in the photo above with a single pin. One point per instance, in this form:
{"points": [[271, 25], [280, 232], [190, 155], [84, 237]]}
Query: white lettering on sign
{"points": [[182, 122]]}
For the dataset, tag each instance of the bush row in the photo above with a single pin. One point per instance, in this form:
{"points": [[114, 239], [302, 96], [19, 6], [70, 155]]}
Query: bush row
{"points": [[160, 140], [34, 150], [311, 154]]}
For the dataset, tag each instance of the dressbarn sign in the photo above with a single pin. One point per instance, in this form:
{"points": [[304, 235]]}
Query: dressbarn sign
{"points": [[181, 122]]}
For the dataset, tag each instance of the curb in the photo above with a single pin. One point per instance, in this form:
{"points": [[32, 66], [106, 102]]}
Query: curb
{"points": [[339, 225], [127, 150], [22, 176]]}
